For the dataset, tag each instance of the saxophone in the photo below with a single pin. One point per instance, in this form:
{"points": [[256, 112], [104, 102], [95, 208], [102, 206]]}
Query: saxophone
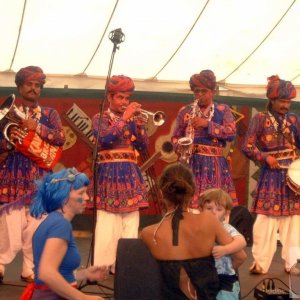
{"points": [[185, 144]]}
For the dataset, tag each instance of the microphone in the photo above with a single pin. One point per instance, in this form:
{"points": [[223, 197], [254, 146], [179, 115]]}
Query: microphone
{"points": [[117, 36]]}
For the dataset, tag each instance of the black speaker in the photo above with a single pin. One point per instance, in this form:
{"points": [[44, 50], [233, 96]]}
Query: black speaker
{"points": [[241, 219], [137, 274]]}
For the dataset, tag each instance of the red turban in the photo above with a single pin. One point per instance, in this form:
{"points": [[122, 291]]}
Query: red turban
{"points": [[205, 79], [120, 84], [30, 73], [280, 89]]}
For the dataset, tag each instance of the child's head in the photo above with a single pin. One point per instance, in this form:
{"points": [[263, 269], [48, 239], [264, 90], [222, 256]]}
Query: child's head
{"points": [[216, 201]]}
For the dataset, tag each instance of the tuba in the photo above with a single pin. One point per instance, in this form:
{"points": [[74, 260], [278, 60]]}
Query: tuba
{"points": [[185, 144], [11, 116], [29, 142]]}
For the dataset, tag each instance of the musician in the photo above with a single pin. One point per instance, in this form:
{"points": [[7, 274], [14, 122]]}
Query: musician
{"points": [[19, 171], [210, 126], [271, 140], [121, 191]]}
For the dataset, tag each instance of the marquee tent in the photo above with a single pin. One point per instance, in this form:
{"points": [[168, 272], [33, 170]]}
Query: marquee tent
{"points": [[164, 42]]}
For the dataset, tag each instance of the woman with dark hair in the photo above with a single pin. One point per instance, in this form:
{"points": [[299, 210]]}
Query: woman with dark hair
{"points": [[182, 242], [61, 195]]}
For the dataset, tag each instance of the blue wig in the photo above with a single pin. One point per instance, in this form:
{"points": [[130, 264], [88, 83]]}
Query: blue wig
{"points": [[54, 190]]}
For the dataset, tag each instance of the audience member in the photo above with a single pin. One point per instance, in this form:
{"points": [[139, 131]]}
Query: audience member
{"points": [[228, 257], [61, 195], [182, 242]]}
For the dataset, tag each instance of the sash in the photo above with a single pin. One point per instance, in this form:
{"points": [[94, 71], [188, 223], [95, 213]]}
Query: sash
{"points": [[207, 150], [117, 155], [39, 151], [28, 292]]}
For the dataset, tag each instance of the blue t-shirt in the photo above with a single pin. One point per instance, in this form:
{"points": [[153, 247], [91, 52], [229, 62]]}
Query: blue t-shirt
{"points": [[56, 226], [224, 264]]}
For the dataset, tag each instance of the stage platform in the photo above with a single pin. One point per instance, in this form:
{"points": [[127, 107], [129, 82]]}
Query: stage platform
{"points": [[12, 286]]}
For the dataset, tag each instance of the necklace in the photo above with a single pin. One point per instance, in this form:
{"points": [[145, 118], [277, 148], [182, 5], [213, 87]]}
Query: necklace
{"points": [[275, 122], [208, 113], [33, 112], [159, 224], [287, 134], [114, 117]]}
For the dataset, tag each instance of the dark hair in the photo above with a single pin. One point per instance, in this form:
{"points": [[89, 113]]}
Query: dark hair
{"points": [[177, 184], [269, 105]]}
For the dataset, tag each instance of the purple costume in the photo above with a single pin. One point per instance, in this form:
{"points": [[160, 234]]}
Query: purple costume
{"points": [[18, 172], [210, 170], [265, 137], [120, 182]]}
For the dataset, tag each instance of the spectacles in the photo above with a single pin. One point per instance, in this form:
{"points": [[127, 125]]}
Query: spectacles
{"points": [[201, 91], [71, 176]]}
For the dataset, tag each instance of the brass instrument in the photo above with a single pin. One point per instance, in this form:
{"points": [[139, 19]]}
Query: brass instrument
{"points": [[28, 142], [185, 144], [11, 116], [157, 118], [166, 148]]}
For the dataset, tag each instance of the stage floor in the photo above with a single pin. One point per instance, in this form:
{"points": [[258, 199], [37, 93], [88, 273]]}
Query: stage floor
{"points": [[12, 286]]}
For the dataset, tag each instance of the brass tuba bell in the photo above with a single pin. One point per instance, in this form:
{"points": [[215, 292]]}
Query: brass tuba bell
{"points": [[10, 116]]}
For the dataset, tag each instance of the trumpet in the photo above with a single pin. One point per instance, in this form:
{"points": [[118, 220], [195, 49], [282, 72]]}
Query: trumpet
{"points": [[157, 118]]}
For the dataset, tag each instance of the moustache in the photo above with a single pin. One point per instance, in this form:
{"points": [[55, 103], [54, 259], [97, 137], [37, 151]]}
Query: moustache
{"points": [[33, 91]]}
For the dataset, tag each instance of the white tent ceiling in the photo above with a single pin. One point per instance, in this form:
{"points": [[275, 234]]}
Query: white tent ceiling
{"points": [[166, 41]]}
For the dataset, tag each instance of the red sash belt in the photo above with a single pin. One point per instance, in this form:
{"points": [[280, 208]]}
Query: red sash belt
{"points": [[283, 154], [207, 150], [28, 292], [117, 155]]}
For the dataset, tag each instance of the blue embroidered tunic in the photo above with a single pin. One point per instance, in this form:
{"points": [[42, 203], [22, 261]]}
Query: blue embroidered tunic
{"points": [[120, 183], [210, 171], [17, 171], [264, 137]]}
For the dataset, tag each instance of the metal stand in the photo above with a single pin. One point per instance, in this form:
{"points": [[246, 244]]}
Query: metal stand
{"points": [[117, 37]]}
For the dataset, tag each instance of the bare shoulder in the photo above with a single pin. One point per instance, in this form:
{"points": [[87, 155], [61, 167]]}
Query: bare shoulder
{"points": [[206, 217], [205, 220], [147, 231]]}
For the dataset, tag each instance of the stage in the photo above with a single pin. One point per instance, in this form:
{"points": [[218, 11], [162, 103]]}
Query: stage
{"points": [[12, 286]]}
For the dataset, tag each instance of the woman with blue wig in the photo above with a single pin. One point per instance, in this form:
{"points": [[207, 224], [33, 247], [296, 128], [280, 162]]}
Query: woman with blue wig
{"points": [[61, 195]]}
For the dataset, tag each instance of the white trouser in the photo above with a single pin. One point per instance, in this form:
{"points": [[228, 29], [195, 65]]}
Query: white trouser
{"points": [[16, 230], [265, 231], [110, 227]]}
